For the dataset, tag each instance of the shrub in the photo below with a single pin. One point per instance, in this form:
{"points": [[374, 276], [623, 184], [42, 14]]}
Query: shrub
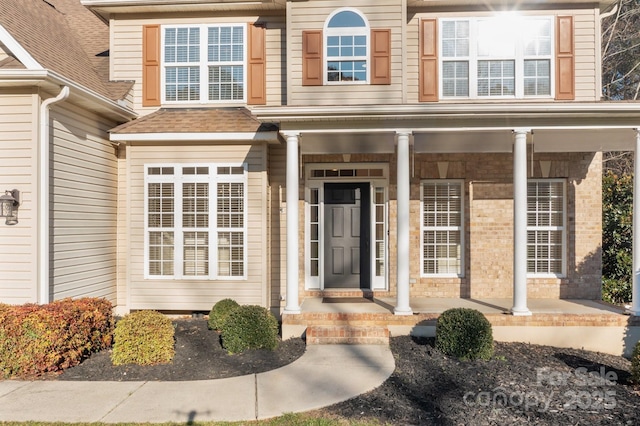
{"points": [[249, 327], [465, 334], [143, 338], [219, 313], [35, 339], [616, 291], [635, 364]]}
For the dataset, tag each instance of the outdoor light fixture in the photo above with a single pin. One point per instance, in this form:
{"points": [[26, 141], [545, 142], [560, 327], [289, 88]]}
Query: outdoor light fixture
{"points": [[9, 203]]}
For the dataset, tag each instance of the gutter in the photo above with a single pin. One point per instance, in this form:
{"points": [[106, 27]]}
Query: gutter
{"points": [[44, 210], [40, 77]]}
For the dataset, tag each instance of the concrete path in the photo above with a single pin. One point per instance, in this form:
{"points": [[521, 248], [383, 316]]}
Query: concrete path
{"points": [[324, 375]]}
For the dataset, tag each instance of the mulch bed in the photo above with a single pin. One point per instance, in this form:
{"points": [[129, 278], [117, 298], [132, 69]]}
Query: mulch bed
{"points": [[522, 384], [199, 356]]}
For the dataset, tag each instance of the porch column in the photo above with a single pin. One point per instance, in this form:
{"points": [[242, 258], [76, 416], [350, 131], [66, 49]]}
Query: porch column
{"points": [[520, 223], [403, 191], [292, 306], [635, 292]]}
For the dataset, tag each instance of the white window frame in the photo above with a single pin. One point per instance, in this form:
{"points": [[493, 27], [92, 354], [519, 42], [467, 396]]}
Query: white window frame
{"points": [[562, 228], [212, 179], [518, 57], [347, 31], [460, 229], [203, 64]]}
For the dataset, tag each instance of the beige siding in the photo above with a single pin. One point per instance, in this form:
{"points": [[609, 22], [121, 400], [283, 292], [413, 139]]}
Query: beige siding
{"points": [[18, 170], [84, 206], [384, 14], [586, 43], [199, 295], [126, 51]]}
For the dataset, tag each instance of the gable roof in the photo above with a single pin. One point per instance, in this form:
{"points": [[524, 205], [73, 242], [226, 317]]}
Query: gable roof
{"points": [[65, 37]]}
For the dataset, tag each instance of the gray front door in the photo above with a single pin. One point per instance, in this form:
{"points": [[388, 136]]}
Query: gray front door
{"points": [[346, 235]]}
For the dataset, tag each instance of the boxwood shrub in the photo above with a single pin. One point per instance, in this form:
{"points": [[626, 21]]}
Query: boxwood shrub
{"points": [[249, 327], [36, 339], [143, 338], [464, 333], [219, 313]]}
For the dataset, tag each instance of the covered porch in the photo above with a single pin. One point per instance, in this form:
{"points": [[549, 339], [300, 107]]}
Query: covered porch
{"points": [[405, 132]]}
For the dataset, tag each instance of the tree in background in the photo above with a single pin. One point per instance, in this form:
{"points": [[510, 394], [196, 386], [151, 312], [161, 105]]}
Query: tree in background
{"points": [[620, 82]]}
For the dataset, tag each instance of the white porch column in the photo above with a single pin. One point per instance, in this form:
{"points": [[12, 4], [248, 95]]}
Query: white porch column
{"points": [[635, 292], [403, 195], [520, 223], [292, 306]]}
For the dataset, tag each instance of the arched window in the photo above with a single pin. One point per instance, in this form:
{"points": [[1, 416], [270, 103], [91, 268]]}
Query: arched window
{"points": [[347, 47]]}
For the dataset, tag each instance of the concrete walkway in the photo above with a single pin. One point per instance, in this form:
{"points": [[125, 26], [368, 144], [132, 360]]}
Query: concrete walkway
{"points": [[324, 375]]}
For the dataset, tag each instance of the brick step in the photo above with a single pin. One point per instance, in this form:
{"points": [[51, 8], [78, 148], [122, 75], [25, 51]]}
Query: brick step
{"points": [[340, 293], [347, 334]]}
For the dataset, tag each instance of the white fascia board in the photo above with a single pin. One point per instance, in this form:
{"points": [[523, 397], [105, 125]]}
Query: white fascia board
{"points": [[18, 51], [424, 110], [172, 137]]}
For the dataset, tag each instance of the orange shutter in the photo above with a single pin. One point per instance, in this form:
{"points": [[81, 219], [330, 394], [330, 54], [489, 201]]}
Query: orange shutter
{"points": [[312, 58], [256, 72], [428, 72], [380, 56], [151, 65], [565, 62]]}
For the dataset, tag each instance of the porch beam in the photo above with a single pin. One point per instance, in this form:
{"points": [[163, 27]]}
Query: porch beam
{"points": [[292, 305], [520, 223], [635, 292], [403, 196]]}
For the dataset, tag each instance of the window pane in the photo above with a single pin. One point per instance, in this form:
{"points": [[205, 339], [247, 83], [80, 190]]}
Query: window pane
{"points": [[455, 39], [545, 226], [455, 78], [442, 227], [346, 19], [496, 78], [537, 79]]}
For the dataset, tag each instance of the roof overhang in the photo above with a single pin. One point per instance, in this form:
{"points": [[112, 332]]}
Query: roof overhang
{"points": [[105, 8], [449, 128], [506, 5], [196, 137], [51, 82]]}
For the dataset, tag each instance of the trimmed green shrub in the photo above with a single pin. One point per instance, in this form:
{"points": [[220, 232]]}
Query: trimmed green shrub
{"points": [[143, 338], [219, 313], [616, 291], [36, 339], [464, 333], [249, 327], [635, 364]]}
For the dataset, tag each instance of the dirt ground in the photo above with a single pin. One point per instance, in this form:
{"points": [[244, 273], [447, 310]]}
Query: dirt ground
{"points": [[522, 384]]}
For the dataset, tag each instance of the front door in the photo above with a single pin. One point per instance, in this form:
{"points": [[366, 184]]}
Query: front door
{"points": [[347, 235]]}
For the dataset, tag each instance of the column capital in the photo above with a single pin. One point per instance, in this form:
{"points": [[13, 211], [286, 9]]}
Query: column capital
{"points": [[291, 134], [404, 132], [521, 130]]}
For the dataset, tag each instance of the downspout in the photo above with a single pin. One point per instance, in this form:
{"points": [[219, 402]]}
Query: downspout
{"points": [[43, 199]]}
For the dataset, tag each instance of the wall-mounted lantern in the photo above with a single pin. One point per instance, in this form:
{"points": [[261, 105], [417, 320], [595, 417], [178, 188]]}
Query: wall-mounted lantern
{"points": [[9, 203]]}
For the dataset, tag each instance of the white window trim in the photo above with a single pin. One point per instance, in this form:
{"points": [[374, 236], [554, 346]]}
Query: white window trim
{"points": [[203, 65], [212, 179], [473, 59], [461, 228], [563, 272], [364, 31]]}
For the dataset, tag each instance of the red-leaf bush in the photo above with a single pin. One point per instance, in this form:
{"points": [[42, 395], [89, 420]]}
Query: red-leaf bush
{"points": [[36, 339]]}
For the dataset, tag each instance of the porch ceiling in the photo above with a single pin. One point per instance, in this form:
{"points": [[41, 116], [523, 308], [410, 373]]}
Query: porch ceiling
{"points": [[457, 128]]}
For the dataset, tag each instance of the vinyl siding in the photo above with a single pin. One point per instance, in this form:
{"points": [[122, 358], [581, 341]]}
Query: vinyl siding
{"points": [[126, 52], [18, 170], [84, 206], [385, 14], [199, 295], [586, 43]]}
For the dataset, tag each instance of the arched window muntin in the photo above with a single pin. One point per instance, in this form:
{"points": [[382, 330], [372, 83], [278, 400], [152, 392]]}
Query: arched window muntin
{"points": [[346, 33]]}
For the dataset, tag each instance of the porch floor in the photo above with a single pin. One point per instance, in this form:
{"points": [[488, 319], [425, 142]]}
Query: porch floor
{"points": [[385, 305]]}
